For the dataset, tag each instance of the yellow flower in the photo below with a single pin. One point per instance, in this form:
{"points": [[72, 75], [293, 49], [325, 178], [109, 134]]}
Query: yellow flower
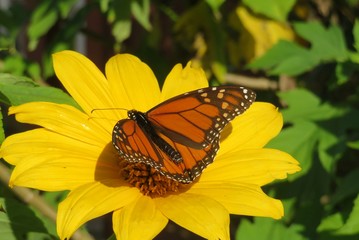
{"points": [[72, 151]]}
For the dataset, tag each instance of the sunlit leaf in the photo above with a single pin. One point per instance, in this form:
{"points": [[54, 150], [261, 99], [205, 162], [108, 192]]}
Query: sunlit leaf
{"points": [[268, 229], [120, 17], [326, 43], [43, 18], [305, 105], [275, 9], [286, 58], [2, 135], [65, 7], [330, 223], [18, 90], [354, 144], [2, 209], [300, 141], [351, 226], [291, 59], [215, 4], [356, 35], [141, 11], [344, 70]]}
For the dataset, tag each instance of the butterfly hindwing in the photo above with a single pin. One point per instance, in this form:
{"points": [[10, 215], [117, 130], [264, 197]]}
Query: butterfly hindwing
{"points": [[133, 145]]}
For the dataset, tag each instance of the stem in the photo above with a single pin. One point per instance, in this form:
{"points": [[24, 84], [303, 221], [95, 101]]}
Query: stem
{"points": [[254, 83]]}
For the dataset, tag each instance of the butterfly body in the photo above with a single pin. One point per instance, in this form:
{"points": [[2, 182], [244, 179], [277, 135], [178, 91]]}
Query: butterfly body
{"points": [[141, 119], [180, 136]]}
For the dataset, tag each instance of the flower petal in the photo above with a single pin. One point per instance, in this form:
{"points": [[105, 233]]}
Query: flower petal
{"points": [[259, 124], [184, 80], [42, 141], [65, 120], [253, 166], [241, 199], [90, 201], [199, 214], [132, 83], [60, 170], [83, 80], [138, 220]]}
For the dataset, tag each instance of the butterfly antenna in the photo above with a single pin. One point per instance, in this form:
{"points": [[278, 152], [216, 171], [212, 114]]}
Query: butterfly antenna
{"points": [[104, 109]]}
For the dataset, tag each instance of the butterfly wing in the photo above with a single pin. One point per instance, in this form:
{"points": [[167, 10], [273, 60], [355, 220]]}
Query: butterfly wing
{"points": [[134, 145], [196, 118]]}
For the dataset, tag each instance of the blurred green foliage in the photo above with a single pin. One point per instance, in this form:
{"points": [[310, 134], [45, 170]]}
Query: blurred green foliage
{"points": [[316, 71]]}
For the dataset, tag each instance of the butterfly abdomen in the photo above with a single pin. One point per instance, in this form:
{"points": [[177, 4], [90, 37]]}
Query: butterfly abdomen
{"points": [[145, 125]]}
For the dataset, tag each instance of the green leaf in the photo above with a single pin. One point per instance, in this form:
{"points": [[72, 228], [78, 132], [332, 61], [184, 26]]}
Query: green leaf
{"points": [[330, 148], [344, 70], [351, 226], [304, 105], [141, 11], [104, 5], [330, 223], [2, 209], [120, 17], [354, 144], [18, 90], [112, 237], [65, 7], [275, 9], [330, 123], [356, 34], [326, 43], [291, 59], [269, 229], [286, 58], [14, 64], [200, 18], [215, 4], [18, 220], [300, 141], [43, 18], [347, 187], [2, 133]]}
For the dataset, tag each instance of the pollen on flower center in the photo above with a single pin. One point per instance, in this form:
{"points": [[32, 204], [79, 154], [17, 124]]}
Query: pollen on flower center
{"points": [[149, 181]]}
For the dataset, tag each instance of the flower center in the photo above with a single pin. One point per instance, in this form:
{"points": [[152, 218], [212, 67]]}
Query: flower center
{"points": [[147, 179]]}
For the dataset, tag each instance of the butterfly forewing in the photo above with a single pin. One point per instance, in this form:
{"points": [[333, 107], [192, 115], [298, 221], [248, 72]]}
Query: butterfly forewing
{"points": [[196, 118], [180, 136]]}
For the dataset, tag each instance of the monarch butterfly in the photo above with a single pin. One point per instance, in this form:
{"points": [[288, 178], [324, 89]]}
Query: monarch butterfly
{"points": [[180, 136]]}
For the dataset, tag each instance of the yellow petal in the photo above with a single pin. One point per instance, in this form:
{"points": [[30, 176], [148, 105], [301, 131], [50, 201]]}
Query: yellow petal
{"points": [[181, 80], [62, 170], [65, 120], [199, 214], [253, 166], [132, 83], [260, 33], [240, 199], [83, 80], [41, 141], [90, 201], [138, 220], [259, 124]]}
